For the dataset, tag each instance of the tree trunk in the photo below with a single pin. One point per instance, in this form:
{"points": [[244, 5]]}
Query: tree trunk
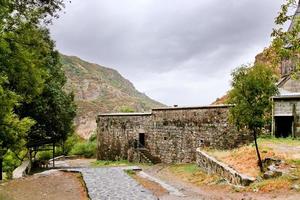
{"points": [[30, 161], [53, 162], [63, 148], [1, 160], [257, 152]]}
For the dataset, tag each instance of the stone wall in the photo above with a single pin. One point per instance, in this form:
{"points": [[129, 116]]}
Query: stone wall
{"points": [[284, 107], [211, 165], [116, 134], [22, 170], [172, 135]]}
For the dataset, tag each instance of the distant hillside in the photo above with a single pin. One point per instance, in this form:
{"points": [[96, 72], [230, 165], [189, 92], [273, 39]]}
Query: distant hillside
{"points": [[99, 89]]}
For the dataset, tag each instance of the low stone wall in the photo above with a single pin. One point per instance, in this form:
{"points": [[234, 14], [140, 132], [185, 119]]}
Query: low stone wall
{"points": [[212, 165], [21, 171]]}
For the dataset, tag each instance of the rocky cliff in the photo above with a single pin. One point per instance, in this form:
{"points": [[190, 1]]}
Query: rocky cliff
{"points": [[99, 89]]}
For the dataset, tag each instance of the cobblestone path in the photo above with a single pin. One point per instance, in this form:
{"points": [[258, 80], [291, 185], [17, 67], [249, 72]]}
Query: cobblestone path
{"points": [[113, 184]]}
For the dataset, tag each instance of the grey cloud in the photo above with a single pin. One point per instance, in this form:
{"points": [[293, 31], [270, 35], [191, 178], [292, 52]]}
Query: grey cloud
{"points": [[137, 37]]}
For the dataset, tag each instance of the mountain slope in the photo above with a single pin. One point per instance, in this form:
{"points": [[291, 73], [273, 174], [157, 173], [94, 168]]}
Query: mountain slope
{"points": [[99, 89]]}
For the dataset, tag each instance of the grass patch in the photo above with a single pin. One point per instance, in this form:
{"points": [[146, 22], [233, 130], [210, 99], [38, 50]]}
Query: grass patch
{"points": [[286, 141], [118, 163], [271, 185], [130, 172], [193, 174], [108, 163], [294, 161], [185, 168]]}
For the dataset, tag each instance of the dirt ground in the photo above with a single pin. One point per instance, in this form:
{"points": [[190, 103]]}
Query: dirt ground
{"points": [[80, 162], [50, 186], [60, 185], [150, 185], [213, 191], [290, 151]]}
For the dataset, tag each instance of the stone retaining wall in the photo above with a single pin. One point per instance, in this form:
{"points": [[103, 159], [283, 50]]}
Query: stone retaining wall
{"points": [[212, 165]]}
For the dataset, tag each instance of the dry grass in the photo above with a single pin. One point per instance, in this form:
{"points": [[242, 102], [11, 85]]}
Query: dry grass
{"points": [[270, 185], [191, 173], [283, 183], [244, 159]]}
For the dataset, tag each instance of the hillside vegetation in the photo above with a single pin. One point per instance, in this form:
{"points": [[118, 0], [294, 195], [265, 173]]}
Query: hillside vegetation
{"points": [[99, 89]]}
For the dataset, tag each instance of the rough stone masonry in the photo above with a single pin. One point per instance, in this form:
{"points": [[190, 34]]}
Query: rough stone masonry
{"points": [[169, 135]]}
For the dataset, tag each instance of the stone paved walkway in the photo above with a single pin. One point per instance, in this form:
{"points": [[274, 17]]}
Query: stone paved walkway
{"points": [[113, 184]]}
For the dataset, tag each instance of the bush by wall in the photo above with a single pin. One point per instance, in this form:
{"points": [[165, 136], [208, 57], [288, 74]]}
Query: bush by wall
{"points": [[85, 149]]}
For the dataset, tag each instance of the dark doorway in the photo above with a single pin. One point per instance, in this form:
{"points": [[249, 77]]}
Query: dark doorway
{"points": [[141, 140], [284, 126]]}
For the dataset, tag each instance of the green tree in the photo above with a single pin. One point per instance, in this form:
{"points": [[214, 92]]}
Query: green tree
{"points": [[24, 49], [13, 130], [287, 43], [32, 99], [252, 88], [54, 109]]}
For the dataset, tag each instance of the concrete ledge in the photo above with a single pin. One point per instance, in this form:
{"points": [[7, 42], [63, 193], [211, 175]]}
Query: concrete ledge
{"points": [[212, 165], [20, 171], [123, 114]]}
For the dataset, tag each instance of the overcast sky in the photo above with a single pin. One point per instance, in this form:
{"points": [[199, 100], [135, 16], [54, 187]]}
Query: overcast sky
{"points": [[176, 51]]}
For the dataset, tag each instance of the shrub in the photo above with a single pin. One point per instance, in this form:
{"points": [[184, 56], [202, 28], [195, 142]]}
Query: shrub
{"points": [[10, 162], [126, 109], [93, 137], [71, 141], [86, 149], [45, 155]]}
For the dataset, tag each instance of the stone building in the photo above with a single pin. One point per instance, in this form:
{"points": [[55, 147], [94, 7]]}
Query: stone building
{"points": [[286, 105], [286, 115], [169, 135]]}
